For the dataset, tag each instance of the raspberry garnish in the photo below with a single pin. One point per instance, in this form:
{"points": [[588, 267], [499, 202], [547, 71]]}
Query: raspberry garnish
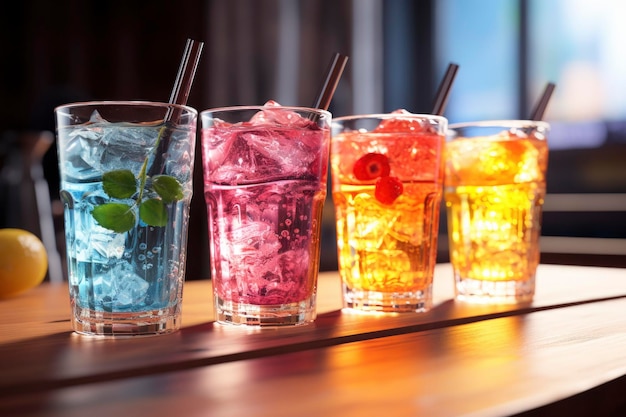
{"points": [[371, 166], [388, 189]]}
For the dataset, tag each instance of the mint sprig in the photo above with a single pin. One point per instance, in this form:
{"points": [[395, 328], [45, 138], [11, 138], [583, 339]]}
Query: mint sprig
{"points": [[121, 184], [115, 216]]}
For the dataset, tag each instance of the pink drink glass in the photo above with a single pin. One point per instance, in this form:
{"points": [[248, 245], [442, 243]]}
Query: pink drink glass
{"points": [[265, 176]]}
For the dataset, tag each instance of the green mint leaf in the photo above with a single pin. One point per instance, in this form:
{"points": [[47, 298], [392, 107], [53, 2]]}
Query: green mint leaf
{"points": [[120, 183], [115, 216], [167, 187], [153, 213]]}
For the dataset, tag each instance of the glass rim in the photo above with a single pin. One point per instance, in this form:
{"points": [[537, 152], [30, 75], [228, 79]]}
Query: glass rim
{"points": [[129, 103], [517, 123], [391, 116], [262, 107]]}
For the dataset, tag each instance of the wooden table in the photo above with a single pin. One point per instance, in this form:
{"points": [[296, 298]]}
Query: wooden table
{"points": [[563, 354]]}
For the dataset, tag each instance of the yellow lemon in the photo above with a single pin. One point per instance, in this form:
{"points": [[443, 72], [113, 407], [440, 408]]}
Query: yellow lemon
{"points": [[23, 261]]}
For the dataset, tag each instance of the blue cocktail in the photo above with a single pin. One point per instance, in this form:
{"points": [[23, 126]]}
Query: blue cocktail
{"points": [[126, 185]]}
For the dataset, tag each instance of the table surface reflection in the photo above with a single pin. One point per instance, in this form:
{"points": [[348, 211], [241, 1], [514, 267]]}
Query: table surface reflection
{"points": [[564, 353]]}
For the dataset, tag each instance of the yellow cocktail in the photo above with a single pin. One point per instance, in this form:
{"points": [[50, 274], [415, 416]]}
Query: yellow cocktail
{"points": [[387, 178], [494, 190]]}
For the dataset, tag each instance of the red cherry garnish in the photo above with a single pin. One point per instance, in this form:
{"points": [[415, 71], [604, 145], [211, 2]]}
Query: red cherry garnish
{"points": [[388, 189], [371, 166]]}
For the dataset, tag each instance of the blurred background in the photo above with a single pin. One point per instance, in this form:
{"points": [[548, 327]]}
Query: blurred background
{"points": [[256, 50]]}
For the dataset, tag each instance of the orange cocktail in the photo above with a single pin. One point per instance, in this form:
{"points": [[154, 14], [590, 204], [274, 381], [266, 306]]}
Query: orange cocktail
{"points": [[387, 179], [494, 190]]}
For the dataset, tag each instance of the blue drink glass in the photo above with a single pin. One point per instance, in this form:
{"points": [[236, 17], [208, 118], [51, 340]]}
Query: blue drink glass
{"points": [[126, 185]]}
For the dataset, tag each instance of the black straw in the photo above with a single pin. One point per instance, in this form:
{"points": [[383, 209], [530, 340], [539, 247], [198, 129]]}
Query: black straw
{"points": [[186, 74], [180, 94], [539, 110], [441, 98], [331, 79]]}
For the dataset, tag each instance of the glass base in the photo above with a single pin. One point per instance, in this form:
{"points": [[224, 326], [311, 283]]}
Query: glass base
{"points": [[494, 292], [388, 302], [145, 323], [229, 312]]}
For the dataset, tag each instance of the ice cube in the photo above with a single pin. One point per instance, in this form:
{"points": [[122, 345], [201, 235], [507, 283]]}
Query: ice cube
{"points": [[418, 159], [274, 114], [219, 140], [401, 124], [408, 226], [107, 246], [96, 117], [294, 265], [124, 147], [120, 288], [74, 166], [281, 151], [273, 144], [372, 221], [179, 154], [252, 237], [130, 289], [245, 162], [105, 146], [482, 161]]}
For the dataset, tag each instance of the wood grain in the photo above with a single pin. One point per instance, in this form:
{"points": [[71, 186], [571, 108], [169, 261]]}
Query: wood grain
{"points": [[544, 363], [38, 351]]}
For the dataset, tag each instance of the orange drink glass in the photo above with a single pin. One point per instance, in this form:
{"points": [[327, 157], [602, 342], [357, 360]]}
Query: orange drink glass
{"points": [[495, 184], [387, 179]]}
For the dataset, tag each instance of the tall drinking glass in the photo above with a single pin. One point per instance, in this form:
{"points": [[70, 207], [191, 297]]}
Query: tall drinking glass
{"points": [[387, 179], [495, 184], [126, 185], [265, 174]]}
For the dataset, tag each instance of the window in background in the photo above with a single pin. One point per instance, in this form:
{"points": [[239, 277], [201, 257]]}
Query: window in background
{"points": [[575, 43], [366, 57], [408, 56], [579, 44], [482, 36]]}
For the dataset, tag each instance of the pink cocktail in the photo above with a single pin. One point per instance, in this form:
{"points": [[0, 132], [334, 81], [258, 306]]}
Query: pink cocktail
{"points": [[265, 174]]}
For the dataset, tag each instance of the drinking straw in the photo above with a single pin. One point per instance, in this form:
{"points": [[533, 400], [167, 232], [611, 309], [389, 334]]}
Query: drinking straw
{"points": [[441, 98], [537, 113], [331, 79], [179, 95], [186, 73]]}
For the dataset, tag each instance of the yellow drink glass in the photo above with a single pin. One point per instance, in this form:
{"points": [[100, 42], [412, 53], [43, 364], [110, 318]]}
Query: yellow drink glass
{"points": [[495, 185], [387, 180]]}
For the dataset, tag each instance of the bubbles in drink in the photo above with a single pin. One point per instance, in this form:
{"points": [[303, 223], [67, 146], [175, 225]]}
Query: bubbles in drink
{"points": [[494, 191], [387, 213], [130, 271], [265, 189]]}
